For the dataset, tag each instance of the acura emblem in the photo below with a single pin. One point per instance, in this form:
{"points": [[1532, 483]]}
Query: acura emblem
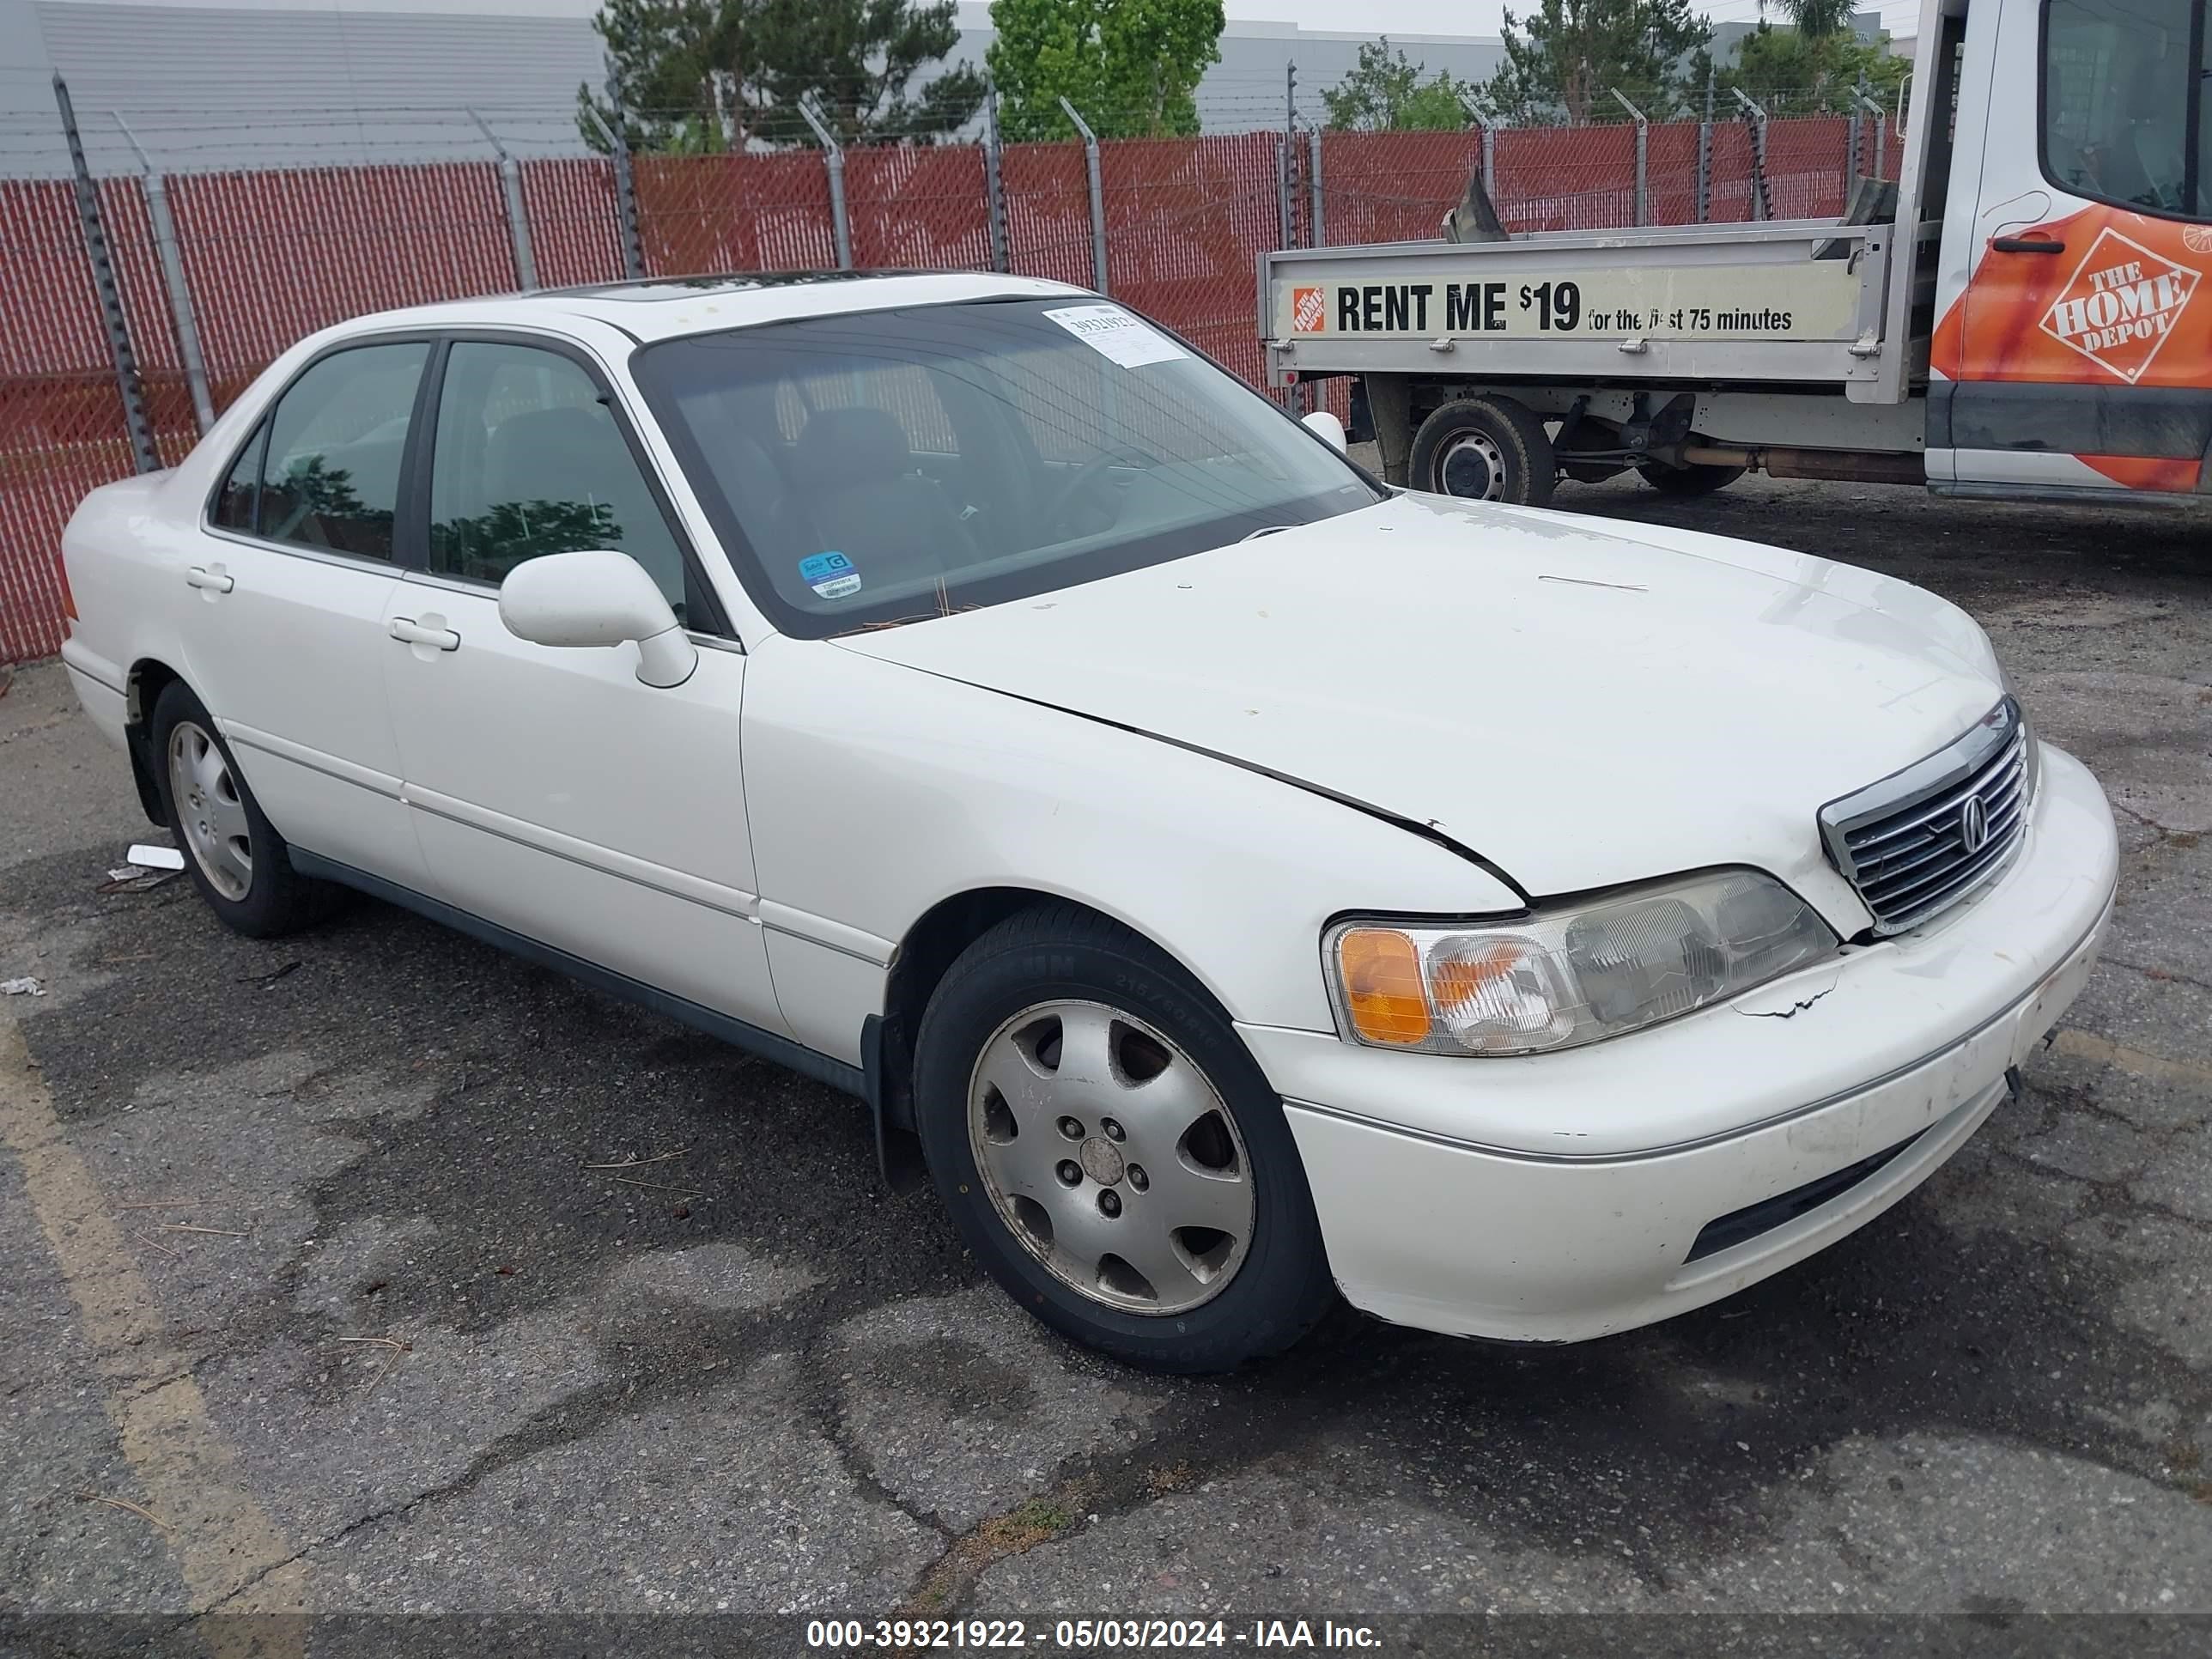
{"points": [[1973, 825]]}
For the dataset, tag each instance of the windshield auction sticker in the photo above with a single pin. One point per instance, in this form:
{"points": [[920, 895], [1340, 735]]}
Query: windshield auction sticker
{"points": [[1113, 332], [1815, 299], [829, 574]]}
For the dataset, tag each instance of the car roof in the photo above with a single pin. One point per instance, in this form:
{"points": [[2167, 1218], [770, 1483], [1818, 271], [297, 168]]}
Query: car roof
{"points": [[662, 307]]}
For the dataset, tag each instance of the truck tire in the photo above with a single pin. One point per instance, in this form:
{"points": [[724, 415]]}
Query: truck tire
{"points": [[1688, 480], [1490, 449]]}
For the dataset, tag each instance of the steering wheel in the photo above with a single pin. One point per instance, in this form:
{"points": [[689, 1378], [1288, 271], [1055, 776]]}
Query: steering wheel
{"points": [[1089, 473]]}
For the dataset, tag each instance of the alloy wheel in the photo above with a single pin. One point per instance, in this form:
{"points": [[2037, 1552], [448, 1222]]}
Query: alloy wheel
{"points": [[210, 812], [1111, 1156]]}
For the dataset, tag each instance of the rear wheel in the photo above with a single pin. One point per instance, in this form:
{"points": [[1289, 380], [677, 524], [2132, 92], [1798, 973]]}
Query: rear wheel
{"points": [[1111, 1152], [1485, 449], [231, 852]]}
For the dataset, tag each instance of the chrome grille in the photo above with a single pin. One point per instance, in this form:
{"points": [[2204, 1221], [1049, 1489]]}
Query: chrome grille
{"points": [[1916, 842]]}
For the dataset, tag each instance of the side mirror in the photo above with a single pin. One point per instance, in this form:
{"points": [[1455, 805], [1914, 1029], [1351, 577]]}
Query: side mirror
{"points": [[602, 598], [1328, 428]]}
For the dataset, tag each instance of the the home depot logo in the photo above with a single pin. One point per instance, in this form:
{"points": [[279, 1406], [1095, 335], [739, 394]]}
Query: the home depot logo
{"points": [[1309, 310], [2122, 305]]}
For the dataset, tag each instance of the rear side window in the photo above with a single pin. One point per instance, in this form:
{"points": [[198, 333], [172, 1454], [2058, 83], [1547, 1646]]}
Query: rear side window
{"points": [[237, 502], [2123, 103], [330, 460]]}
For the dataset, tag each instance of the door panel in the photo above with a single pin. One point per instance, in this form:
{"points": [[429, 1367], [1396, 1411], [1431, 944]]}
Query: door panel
{"points": [[2078, 356], [554, 793], [292, 579], [557, 795]]}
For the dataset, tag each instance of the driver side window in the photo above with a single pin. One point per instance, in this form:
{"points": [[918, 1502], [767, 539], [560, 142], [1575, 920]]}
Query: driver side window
{"points": [[529, 460], [2122, 116]]}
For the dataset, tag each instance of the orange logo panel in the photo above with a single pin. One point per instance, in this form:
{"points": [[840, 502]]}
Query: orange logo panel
{"points": [[1309, 310], [2121, 311]]}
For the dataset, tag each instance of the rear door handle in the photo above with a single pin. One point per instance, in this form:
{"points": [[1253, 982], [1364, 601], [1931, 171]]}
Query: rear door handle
{"points": [[214, 578], [408, 631], [2027, 245]]}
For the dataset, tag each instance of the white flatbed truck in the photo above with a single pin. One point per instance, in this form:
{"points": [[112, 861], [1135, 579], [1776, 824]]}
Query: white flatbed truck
{"points": [[2027, 323]]}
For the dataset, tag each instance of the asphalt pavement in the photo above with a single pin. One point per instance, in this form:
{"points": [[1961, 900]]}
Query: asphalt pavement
{"points": [[328, 1288]]}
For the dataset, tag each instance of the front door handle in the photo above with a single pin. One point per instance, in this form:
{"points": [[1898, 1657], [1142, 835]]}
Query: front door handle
{"points": [[2027, 245], [212, 577], [408, 631]]}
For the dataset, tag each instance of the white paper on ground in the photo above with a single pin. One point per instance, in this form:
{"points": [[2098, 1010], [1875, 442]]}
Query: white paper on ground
{"points": [[156, 858], [1113, 332]]}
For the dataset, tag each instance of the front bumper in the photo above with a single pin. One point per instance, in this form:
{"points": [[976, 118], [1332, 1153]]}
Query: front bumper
{"points": [[1558, 1197]]}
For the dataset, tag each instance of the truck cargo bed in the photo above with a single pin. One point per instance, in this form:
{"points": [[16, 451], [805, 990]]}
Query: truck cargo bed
{"points": [[1793, 301]]}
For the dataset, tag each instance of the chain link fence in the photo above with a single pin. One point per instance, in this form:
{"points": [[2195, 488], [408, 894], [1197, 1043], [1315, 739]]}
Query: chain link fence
{"points": [[215, 272]]}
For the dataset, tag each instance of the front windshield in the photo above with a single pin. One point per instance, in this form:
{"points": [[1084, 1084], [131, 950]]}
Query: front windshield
{"points": [[867, 469]]}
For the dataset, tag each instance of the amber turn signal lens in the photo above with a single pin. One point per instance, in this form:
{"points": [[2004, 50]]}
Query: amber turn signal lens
{"points": [[1381, 974]]}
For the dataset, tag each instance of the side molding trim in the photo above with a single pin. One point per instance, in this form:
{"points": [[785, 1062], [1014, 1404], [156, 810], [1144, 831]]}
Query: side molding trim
{"points": [[769, 1045]]}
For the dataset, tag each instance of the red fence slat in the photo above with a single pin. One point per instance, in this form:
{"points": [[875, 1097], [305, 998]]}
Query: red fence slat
{"points": [[272, 256]]}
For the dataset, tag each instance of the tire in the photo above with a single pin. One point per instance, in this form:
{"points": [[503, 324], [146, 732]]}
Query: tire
{"points": [[233, 854], [1491, 449], [1686, 480], [1008, 1009]]}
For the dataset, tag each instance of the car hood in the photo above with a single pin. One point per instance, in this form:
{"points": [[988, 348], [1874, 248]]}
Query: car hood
{"points": [[1581, 701]]}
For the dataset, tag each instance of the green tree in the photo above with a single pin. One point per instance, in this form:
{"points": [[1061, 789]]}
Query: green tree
{"points": [[715, 74], [1790, 71], [1384, 92], [1564, 60], [1132, 67], [1814, 18]]}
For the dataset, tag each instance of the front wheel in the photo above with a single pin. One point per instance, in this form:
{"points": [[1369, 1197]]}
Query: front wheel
{"points": [[1110, 1151], [1485, 449]]}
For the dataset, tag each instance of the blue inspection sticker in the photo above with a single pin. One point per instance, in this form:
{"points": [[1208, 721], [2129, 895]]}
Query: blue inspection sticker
{"points": [[829, 574]]}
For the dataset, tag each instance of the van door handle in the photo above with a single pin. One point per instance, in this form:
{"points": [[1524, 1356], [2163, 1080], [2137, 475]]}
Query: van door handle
{"points": [[408, 631], [212, 577], [2027, 245]]}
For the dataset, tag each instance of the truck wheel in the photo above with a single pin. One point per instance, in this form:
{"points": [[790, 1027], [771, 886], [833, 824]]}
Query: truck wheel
{"points": [[1485, 449], [1688, 480]]}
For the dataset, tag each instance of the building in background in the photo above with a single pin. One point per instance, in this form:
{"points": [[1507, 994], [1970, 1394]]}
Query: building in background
{"points": [[258, 83]]}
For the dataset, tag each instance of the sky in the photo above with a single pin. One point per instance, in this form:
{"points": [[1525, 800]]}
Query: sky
{"points": [[1900, 18]]}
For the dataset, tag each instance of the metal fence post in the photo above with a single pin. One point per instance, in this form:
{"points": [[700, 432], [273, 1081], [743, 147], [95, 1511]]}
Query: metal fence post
{"points": [[1705, 156], [994, 183], [1490, 160], [633, 245], [181, 317], [1098, 194], [1876, 113], [109, 291], [1642, 157], [517, 217], [1851, 154], [1316, 236], [1762, 205], [832, 155]]}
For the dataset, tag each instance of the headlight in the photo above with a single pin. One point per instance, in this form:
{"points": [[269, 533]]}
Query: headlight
{"points": [[2032, 756], [1571, 976]]}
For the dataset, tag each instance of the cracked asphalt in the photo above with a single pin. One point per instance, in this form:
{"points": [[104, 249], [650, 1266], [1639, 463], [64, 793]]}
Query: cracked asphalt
{"points": [[313, 1268]]}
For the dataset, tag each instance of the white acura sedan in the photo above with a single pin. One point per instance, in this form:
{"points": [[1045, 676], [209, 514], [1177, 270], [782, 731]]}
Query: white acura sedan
{"points": [[1247, 883]]}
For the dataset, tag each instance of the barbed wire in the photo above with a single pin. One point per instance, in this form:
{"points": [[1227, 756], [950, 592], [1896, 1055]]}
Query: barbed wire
{"points": [[185, 140]]}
